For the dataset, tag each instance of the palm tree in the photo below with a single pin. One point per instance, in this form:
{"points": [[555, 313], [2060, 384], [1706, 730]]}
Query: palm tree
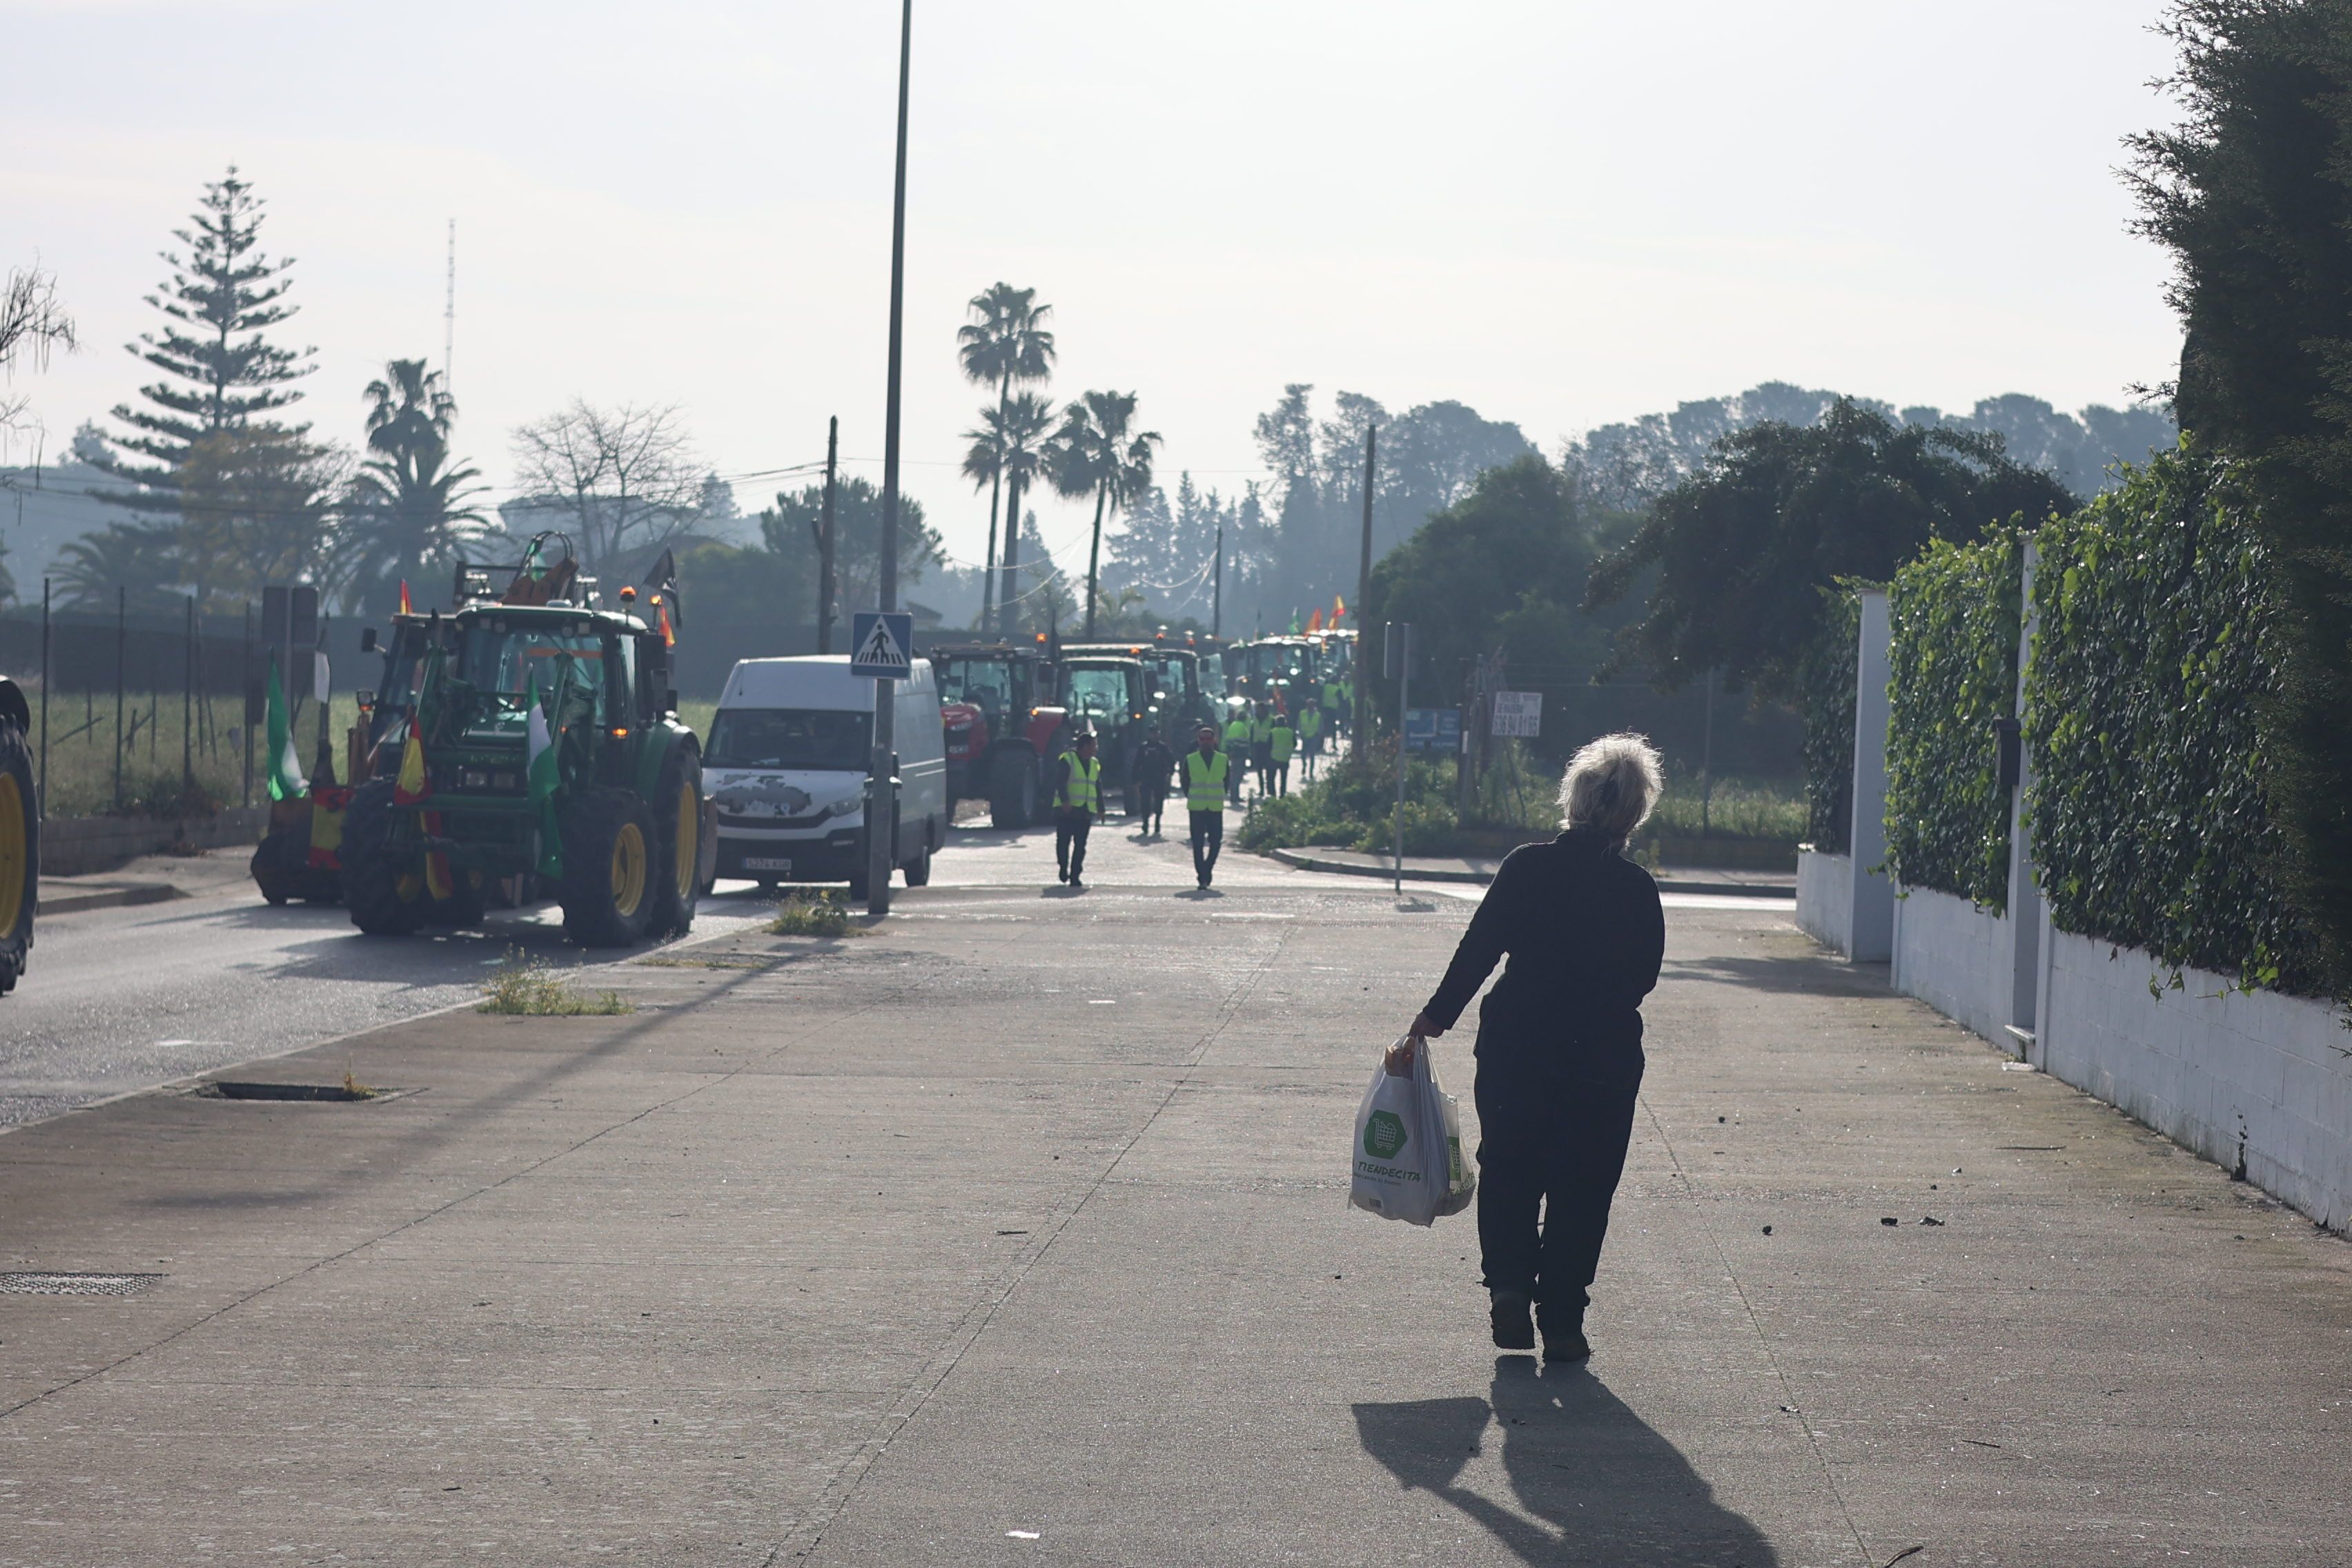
{"points": [[1008, 450], [1098, 449], [139, 560], [411, 512], [1006, 343]]}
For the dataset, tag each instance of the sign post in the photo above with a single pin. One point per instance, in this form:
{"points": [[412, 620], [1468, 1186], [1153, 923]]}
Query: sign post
{"points": [[882, 644]]}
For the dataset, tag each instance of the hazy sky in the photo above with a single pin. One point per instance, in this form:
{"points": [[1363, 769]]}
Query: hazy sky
{"points": [[1562, 212]]}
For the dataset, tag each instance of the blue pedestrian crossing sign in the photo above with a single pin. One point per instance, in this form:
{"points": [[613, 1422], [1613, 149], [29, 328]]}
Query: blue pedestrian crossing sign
{"points": [[882, 644]]}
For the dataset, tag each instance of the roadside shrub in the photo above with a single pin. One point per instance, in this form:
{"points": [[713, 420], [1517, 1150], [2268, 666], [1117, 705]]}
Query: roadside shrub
{"points": [[811, 914], [2157, 651], [1954, 613], [1826, 678]]}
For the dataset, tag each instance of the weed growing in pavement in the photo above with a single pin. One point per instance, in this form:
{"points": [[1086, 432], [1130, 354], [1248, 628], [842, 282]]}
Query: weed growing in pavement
{"points": [[813, 914], [528, 989], [355, 1088]]}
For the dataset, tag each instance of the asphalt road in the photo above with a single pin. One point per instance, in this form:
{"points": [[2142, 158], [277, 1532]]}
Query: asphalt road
{"points": [[124, 999]]}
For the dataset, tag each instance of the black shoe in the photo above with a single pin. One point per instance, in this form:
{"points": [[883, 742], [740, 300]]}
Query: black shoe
{"points": [[1513, 1316], [1565, 1342], [1076, 884]]}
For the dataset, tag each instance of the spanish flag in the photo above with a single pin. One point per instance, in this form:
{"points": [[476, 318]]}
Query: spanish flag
{"points": [[1338, 608], [404, 607], [669, 637], [413, 784]]}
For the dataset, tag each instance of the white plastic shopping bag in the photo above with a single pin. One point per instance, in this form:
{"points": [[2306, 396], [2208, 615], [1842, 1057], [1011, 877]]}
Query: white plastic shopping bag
{"points": [[1408, 1159]]}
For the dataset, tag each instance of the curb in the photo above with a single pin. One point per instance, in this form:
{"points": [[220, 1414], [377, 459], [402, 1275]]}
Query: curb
{"points": [[1308, 861], [109, 898]]}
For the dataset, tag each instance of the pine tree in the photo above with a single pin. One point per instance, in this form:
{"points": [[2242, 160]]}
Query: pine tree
{"points": [[219, 371]]}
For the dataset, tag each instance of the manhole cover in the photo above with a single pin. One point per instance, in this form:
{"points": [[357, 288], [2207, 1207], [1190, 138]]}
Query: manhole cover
{"points": [[29, 1283], [332, 1093]]}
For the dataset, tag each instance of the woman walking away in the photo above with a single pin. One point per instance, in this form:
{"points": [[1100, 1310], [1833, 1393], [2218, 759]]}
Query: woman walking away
{"points": [[1560, 1042]]}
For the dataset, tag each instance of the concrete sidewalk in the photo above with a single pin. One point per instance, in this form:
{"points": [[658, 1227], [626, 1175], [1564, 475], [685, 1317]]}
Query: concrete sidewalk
{"points": [[149, 880], [1016, 1232]]}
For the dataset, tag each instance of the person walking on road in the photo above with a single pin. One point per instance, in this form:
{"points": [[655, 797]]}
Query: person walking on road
{"points": [[1560, 1042], [1237, 747], [1261, 752], [1205, 776], [1310, 734], [1282, 742], [1154, 765], [1077, 801]]}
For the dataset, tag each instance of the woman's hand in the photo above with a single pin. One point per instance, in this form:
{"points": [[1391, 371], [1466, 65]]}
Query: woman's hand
{"points": [[1426, 1028]]}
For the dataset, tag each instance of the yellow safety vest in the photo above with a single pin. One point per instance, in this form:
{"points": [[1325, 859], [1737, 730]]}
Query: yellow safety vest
{"points": [[1286, 740], [1079, 789], [1310, 723], [1205, 779], [1261, 730], [1237, 733], [1330, 694]]}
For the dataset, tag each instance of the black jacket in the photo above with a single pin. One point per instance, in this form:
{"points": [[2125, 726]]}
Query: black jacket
{"points": [[1154, 764], [1585, 934]]}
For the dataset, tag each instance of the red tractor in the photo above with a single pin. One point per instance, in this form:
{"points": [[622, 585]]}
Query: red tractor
{"points": [[1004, 726]]}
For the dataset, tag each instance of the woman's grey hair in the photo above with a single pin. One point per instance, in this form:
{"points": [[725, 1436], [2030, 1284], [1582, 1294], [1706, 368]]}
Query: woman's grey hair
{"points": [[1610, 786]]}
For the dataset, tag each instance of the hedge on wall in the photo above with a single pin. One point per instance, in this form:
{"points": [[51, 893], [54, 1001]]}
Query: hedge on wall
{"points": [[2156, 649], [1825, 681], [1954, 611]]}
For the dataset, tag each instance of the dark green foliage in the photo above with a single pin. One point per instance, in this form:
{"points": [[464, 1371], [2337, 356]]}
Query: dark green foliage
{"points": [[2157, 642], [1504, 566], [1824, 698], [410, 516], [790, 526], [2252, 194], [1954, 665], [1742, 550]]}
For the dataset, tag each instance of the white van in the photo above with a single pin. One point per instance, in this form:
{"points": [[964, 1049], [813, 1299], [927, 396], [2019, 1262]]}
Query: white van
{"points": [[785, 769]]}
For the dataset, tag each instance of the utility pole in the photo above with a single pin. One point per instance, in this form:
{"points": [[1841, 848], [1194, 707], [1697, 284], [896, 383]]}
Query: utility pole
{"points": [[1398, 649], [1364, 719], [882, 795], [1217, 591], [825, 538], [188, 706], [43, 793], [121, 644]]}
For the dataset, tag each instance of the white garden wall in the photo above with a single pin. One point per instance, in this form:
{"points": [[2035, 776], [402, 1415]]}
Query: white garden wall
{"points": [[2254, 1081], [1826, 897], [1956, 957]]}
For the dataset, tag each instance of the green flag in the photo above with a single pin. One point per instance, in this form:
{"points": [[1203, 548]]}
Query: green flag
{"points": [[286, 780], [541, 775]]}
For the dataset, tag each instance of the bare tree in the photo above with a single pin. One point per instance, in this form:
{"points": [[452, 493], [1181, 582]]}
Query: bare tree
{"points": [[623, 480], [32, 324]]}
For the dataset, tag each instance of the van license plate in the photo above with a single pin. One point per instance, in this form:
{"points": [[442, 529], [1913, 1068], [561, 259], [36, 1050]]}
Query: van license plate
{"points": [[765, 863]]}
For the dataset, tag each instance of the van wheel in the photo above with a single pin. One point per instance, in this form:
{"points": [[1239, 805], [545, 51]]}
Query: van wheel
{"points": [[918, 870]]}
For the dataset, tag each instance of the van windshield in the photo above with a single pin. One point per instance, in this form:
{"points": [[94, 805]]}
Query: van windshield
{"points": [[817, 738]]}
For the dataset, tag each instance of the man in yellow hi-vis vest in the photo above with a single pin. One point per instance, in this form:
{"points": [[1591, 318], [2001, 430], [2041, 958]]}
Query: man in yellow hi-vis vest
{"points": [[1282, 740], [1207, 772], [1237, 747], [1077, 801], [1310, 734]]}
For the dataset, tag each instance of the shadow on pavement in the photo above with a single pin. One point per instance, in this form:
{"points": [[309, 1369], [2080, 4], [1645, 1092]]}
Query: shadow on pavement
{"points": [[1810, 975], [1603, 1488]]}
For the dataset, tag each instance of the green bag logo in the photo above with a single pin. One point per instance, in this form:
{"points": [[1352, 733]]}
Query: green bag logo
{"points": [[1384, 1135]]}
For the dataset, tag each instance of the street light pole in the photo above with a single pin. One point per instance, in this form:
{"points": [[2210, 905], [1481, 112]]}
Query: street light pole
{"points": [[882, 794], [1362, 720]]}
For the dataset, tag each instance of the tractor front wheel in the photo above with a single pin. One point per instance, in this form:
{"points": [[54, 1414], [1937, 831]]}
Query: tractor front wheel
{"points": [[1013, 788], [385, 896], [20, 854], [611, 861], [677, 827]]}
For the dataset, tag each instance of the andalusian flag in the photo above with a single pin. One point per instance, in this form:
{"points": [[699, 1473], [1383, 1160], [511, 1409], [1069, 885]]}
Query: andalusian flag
{"points": [[286, 780], [541, 775], [1294, 622]]}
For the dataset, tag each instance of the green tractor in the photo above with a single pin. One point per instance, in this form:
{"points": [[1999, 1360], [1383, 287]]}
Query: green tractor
{"points": [[523, 744]]}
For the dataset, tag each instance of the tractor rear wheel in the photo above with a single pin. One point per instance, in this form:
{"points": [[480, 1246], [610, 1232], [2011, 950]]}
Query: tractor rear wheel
{"points": [[1013, 788], [677, 828], [611, 858], [20, 854], [385, 896]]}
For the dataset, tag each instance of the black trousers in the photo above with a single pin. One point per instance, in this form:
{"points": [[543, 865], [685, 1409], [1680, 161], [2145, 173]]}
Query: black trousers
{"points": [[1280, 772], [1556, 1140], [1070, 830], [1154, 797], [1208, 837]]}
